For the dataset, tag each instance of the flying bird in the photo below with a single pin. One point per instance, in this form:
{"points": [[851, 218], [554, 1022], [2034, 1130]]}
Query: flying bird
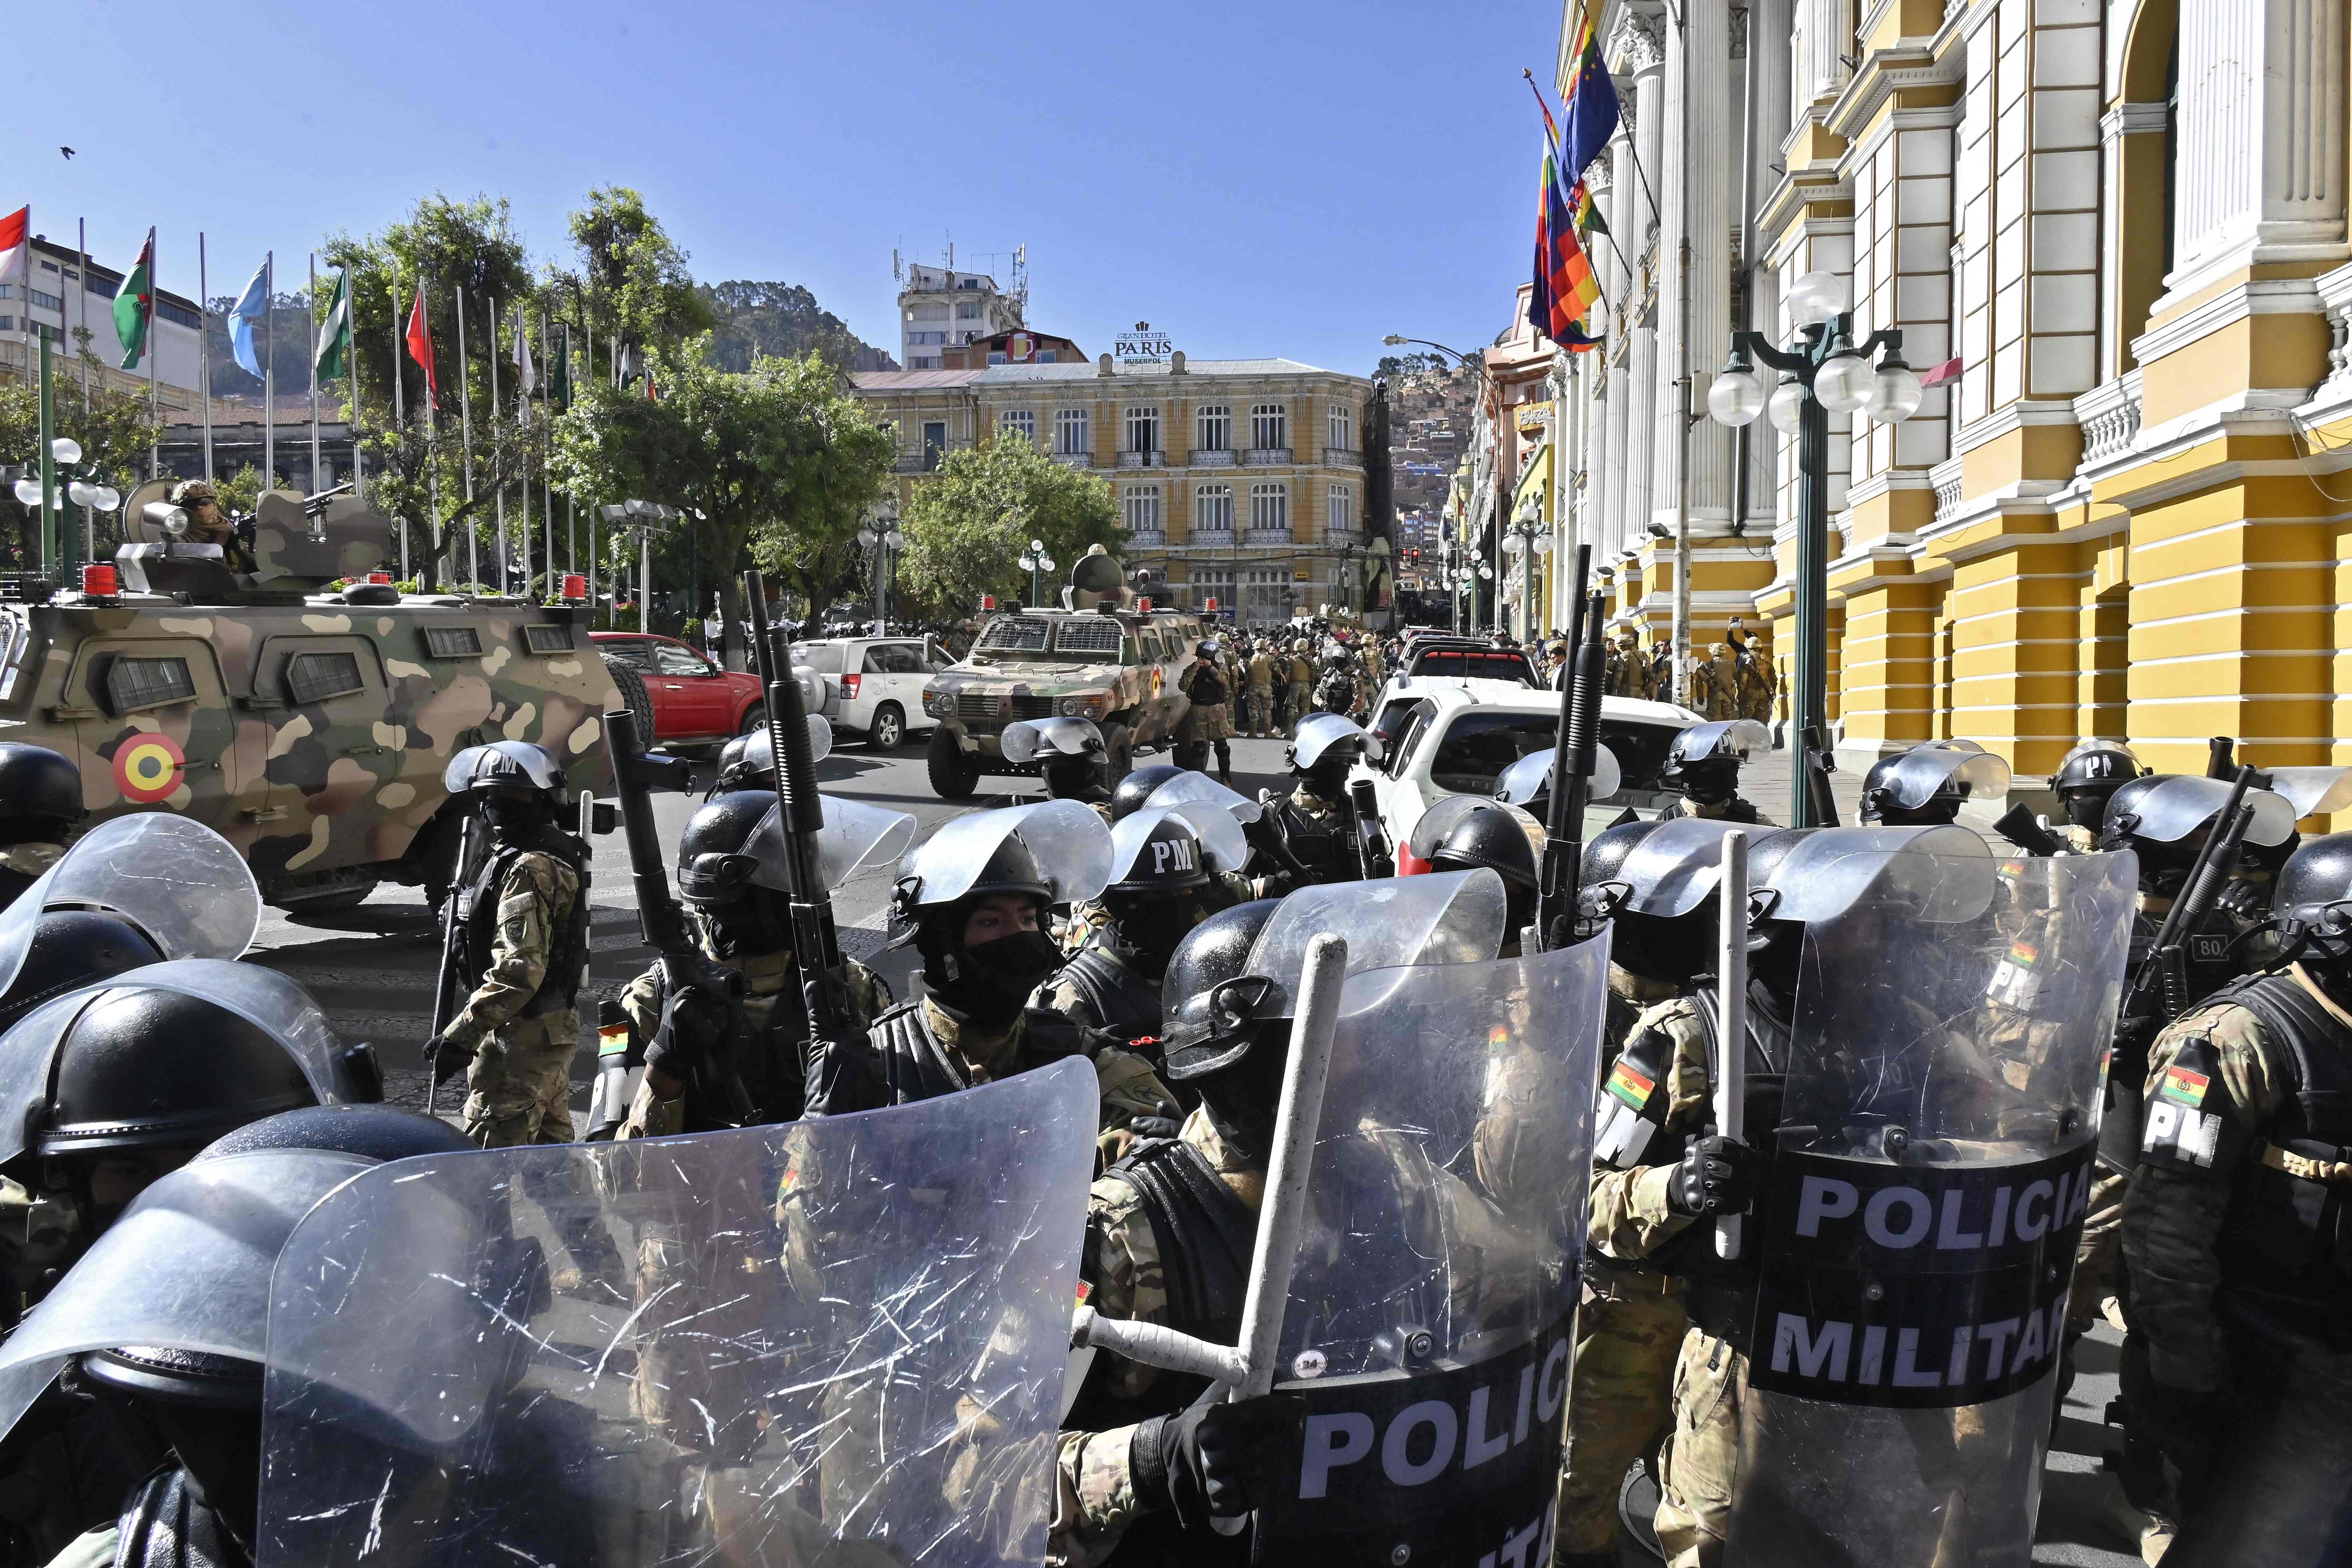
{"points": [[68, 153]]}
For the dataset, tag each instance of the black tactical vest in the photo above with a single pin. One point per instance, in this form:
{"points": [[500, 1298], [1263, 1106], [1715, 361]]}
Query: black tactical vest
{"points": [[569, 956], [1323, 849], [2286, 1247], [915, 1066], [1691, 1253], [1119, 1001]]}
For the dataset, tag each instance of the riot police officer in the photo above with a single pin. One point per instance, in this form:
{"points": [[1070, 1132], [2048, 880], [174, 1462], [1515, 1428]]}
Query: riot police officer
{"points": [[726, 879], [526, 946], [1925, 786], [973, 900], [1207, 722], [1165, 879], [1068, 755], [1335, 689], [1703, 768], [1464, 832], [2086, 780], [2237, 1370], [1314, 824], [41, 802]]}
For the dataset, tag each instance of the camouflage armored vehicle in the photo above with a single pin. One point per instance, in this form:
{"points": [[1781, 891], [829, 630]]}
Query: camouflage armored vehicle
{"points": [[1106, 656], [308, 727]]}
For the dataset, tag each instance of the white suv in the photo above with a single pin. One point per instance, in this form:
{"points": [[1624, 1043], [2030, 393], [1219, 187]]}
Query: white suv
{"points": [[873, 685]]}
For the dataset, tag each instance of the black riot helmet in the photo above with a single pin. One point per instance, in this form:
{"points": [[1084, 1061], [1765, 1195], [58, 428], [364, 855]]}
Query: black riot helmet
{"points": [[1774, 945], [143, 1067], [2088, 778], [515, 785], [40, 794], [205, 1407], [715, 868], [2312, 900], [1925, 786], [1169, 861], [989, 980], [1134, 789], [1670, 949], [72, 948], [1703, 761], [1501, 837], [1209, 1002]]}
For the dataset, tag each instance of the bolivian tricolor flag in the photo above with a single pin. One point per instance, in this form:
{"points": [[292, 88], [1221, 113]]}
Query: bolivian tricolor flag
{"points": [[1565, 287]]}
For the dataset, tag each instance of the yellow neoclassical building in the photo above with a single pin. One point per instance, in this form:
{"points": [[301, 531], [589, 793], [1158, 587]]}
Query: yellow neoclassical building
{"points": [[2119, 230]]}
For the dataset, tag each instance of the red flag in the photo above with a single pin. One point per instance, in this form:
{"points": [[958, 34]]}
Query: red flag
{"points": [[1936, 375], [15, 245], [420, 347]]}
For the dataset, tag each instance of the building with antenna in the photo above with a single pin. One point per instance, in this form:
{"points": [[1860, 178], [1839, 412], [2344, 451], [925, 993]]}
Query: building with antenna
{"points": [[940, 308]]}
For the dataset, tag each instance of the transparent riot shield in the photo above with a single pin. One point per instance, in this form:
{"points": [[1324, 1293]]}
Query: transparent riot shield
{"points": [[2180, 804], [843, 1342], [1444, 917], [854, 836], [182, 884], [1068, 839], [1430, 1312], [1429, 829], [1189, 786], [1915, 1236]]}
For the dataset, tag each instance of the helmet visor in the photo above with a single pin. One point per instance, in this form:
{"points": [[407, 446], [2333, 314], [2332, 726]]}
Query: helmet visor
{"points": [[1941, 875], [187, 1267], [1223, 846], [1066, 838], [1190, 786], [1042, 740], [1673, 868], [1735, 738], [2088, 748], [182, 884], [1390, 923], [1530, 776], [2179, 804], [760, 753], [1318, 733], [1918, 777], [854, 836], [516, 760], [2312, 791]]}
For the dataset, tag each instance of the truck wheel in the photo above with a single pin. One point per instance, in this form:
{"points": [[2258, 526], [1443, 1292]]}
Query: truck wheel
{"points": [[889, 728], [1118, 754], [954, 775], [635, 697]]}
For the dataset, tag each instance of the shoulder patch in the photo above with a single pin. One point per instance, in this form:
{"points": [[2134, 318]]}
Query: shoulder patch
{"points": [[2179, 1130]]}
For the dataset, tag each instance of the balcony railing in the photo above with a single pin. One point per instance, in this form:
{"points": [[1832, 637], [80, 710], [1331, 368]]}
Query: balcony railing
{"points": [[1265, 457], [1211, 457], [1148, 539], [1342, 457], [1280, 536], [1351, 537], [926, 461], [2109, 414], [1075, 459], [1153, 459]]}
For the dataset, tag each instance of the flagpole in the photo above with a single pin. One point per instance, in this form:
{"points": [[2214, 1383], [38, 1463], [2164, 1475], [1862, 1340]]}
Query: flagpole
{"points": [[154, 385], [204, 337], [351, 414], [432, 419], [465, 440], [498, 484], [546, 481], [523, 424], [316, 483], [83, 229], [399, 401], [269, 371]]}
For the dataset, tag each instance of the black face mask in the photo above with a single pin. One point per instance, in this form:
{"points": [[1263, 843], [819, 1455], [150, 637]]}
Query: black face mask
{"points": [[989, 981], [1243, 1101], [1148, 930], [2087, 808], [511, 817]]}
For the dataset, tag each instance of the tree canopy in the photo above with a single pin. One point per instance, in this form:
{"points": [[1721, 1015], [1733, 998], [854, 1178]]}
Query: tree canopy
{"points": [[967, 525]]}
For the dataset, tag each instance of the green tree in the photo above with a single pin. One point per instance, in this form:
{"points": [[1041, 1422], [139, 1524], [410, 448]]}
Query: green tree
{"points": [[632, 283], [115, 430], [967, 525], [774, 468]]}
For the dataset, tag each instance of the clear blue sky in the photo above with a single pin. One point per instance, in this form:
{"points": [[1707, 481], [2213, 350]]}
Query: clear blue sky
{"points": [[1295, 177]]}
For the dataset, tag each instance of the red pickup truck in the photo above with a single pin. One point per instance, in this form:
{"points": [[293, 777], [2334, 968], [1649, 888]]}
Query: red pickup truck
{"points": [[693, 698]]}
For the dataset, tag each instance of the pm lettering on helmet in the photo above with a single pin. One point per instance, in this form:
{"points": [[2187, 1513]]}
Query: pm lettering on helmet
{"points": [[1173, 855]]}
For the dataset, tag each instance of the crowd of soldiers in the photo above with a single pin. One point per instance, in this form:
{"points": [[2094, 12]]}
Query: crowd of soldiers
{"points": [[1915, 1010]]}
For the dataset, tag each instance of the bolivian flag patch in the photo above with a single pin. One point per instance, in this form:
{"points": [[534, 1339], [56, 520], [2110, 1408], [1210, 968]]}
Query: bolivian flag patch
{"points": [[613, 1040], [2184, 1087], [1629, 1085], [1085, 1293], [2024, 955]]}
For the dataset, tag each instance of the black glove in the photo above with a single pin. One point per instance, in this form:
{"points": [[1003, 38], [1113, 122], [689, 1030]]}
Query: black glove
{"points": [[1717, 1175], [449, 1059], [691, 1017], [1154, 1126], [2241, 901], [1212, 1460]]}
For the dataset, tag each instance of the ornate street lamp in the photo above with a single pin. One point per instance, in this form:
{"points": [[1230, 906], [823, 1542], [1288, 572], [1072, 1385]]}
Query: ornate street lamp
{"points": [[1036, 563], [885, 540], [1822, 372]]}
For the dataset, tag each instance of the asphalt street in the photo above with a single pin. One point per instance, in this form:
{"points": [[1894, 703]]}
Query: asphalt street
{"points": [[371, 968]]}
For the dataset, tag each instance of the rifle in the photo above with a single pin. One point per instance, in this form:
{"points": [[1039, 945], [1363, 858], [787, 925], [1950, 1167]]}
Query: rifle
{"points": [[1571, 766], [2163, 974], [2020, 827], [817, 944], [1375, 856], [1815, 759], [660, 918], [453, 937], [2218, 762]]}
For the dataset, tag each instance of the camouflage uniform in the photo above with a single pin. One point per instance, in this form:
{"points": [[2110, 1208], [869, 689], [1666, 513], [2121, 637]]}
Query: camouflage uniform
{"points": [[1716, 687], [22, 865], [519, 1083], [1631, 1325], [1301, 689], [1257, 702], [1094, 1494], [1758, 684], [1204, 722], [1628, 677]]}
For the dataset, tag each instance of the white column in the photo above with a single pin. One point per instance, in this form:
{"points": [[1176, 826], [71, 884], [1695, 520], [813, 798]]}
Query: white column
{"points": [[2261, 133], [1824, 33], [1591, 388], [1647, 107], [1694, 191], [1769, 28]]}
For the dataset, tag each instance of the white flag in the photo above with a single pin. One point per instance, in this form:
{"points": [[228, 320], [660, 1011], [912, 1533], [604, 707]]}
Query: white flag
{"points": [[526, 374]]}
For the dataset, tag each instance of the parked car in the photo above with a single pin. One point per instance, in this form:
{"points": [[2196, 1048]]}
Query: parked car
{"points": [[692, 700], [873, 685], [1467, 658], [1459, 736]]}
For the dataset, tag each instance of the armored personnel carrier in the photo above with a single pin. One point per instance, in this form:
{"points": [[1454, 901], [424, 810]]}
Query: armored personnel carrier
{"points": [[303, 710], [1106, 655]]}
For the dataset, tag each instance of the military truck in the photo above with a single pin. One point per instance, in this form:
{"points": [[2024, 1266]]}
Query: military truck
{"points": [[1105, 656], [301, 710]]}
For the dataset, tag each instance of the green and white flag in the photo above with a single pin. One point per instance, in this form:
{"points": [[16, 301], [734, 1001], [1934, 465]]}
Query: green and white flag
{"points": [[134, 306], [334, 358]]}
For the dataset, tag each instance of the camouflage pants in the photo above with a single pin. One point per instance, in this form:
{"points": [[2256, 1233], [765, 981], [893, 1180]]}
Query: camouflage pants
{"points": [[1302, 703], [1620, 1398], [518, 1088], [2098, 1257], [1257, 709], [1702, 1458]]}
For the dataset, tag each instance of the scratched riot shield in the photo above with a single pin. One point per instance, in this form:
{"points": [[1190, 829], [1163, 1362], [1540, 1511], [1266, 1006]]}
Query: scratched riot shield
{"points": [[857, 1360], [1430, 1312], [1915, 1238]]}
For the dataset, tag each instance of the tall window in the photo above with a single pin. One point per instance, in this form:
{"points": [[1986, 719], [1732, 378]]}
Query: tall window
{"points": [[1269, 425], [1070, 432], [1342, 513], [1143, 430], [1270, 505], [1142, 507], [968, 310], [1217, 427], [1213, 509], [1021, 421], [1340, 425]]}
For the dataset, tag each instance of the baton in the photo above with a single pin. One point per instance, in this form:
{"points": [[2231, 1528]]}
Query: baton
{"points": [[1731, 1036]]}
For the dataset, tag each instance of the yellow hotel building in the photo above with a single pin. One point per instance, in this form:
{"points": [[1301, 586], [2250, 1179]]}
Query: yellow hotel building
{"points": [[2126, 513]]}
